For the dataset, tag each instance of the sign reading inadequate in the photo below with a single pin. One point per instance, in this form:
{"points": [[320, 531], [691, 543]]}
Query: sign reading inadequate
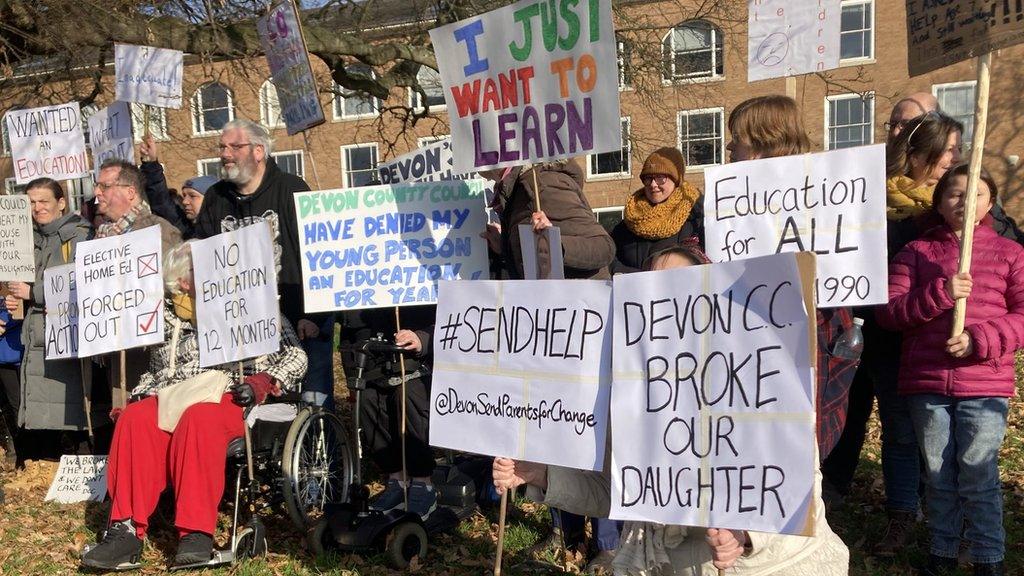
{"points": [[713, 399], [381, 246], [47, 141], [79, 479], [61, 312], [294, 83], [789, 37], [148, 75], [236, 295], [830, 203], [110, 135], [120, 292], [17, 248], [531, 81], [525, 365], [947, 32]]}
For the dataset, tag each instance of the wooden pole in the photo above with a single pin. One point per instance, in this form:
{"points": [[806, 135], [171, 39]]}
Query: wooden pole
{"points": [[123, 378], [312, 162], [971, 203], [86, 373], [791, 87], [501, 532], [536, 187], [401, 428]]}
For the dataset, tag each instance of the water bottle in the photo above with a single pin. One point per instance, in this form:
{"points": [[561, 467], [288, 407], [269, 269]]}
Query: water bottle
{"points": [[851, 343]]}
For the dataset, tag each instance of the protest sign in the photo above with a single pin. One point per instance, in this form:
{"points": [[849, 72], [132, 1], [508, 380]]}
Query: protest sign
{"points": [[712, 407], [830, 203], [148, 75], [282, 41], [944, 33], [236, 295], [47, 141], [17, 247], [380, 246], [110, 135], [79, 479], [61, 299], [120, 292], [525, 365], [790, 37], [530, 82]]}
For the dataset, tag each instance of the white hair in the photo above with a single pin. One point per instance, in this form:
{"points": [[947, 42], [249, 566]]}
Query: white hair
{"points": [[177, 266], [258, 135]]}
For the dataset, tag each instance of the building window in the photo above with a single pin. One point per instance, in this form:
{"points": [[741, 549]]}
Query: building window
{"points": [[359, 165], [270, 106], [85, 112], [5, 138], [624, 52], [427, 140], [857, 34], [211, 108], [291, 162], [612, 164], [957, 100], [11, 186], [157, 122], [430, 81], [349, 104], [208, 167], [693, 49], [701, 137], [80, 191], [849, 120], [609, 217]]}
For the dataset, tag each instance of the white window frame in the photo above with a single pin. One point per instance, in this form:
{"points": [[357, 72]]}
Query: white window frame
{"points": [[713, 76], [269, 101], [85, 112], [869, 96], [344, 162], [202, 162], [425, 140], [302, 160], [5, 138], [11, 186], [598, 211], [623, 63], [79, 191], [627, 145], [414, 97], [338, 104], [871, 55], [198, 119], [721, 138], [968, 127], [157, 119]]}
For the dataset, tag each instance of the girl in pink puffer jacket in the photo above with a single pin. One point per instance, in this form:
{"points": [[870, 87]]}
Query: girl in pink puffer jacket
{"points": [[958, 388]]}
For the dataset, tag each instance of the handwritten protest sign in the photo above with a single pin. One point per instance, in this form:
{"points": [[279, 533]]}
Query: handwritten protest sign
{"points": [[61, 300], [236, 295], [148, 75], [110, 135], [47, 141], [79, 479], [282, 41], [120, 292], [830, 203], [529, 82], [526, 366], [713, 399], [792, 37], [380, 246], [944, 33], [17, 248]]}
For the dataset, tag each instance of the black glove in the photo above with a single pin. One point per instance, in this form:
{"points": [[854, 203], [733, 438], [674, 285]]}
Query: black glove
{"points": [[253, 390]]}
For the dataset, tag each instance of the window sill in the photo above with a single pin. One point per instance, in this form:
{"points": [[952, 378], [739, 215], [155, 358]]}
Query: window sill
{"points": [[700, 168], [851, 62], [609, 177], [209, 134], [685, 81]]}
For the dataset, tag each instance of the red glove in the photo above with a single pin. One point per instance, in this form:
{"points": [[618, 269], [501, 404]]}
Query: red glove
{"points": [[253, 390]]}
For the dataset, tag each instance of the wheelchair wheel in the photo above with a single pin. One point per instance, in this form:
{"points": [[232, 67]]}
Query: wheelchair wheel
{"points": [[317, 465], [407, 541]]}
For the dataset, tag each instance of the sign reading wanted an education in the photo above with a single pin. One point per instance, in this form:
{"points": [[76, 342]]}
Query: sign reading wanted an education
{"points": [[17, 246], [525, 365], [830, 203], [712, 405], [61, 299], [236, 295], [951, 31], [120, 292], [47, 141]]}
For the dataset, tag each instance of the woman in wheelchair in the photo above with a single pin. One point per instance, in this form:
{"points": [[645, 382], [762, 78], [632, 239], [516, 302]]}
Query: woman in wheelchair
{"points": [[179, 429]]}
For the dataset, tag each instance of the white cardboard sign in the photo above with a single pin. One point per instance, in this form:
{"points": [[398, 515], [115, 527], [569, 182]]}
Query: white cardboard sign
{"points": [[281, 38], [524, 365], [60, 295], [47, 141], [110, 135], [17, 247], [792, 37], [148, 75], [79, 479]]}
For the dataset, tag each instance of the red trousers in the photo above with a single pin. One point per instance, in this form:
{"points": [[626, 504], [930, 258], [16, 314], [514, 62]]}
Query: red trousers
{"points": [[143, 458]]}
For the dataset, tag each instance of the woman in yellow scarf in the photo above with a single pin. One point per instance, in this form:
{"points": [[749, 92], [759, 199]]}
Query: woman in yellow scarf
{"points": [[916, 159]]}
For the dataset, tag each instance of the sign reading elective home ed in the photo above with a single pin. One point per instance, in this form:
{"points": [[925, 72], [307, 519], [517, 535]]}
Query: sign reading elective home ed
{"points": [[951, 31], [290, 70], [792, 37], [531, 81], [830, 203], [148, 75], [47, 141], [17, 245], [110, 135], [382, 246]]}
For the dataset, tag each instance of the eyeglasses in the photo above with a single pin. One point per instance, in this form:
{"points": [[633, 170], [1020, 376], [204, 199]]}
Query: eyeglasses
{"points": [[234, 147], [658, 179], [890, 125], [102, 186]]}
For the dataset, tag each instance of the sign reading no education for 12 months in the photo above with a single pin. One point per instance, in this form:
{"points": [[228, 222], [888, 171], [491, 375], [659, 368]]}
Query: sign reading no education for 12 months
{"points": [[532, 81], [236, 295], [830, 203], [525, 365], [380, 246], [713, 399], [61, 299], [120, 292], [17, 247], [47, 141]]}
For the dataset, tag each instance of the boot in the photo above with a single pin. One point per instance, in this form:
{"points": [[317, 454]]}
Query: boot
{"points": [[989, 569], [120, 549], [898, 533], [194, 548], [939, 566]]}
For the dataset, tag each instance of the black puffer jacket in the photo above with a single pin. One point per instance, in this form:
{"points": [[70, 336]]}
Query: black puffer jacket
{"points": [[631, 250]]}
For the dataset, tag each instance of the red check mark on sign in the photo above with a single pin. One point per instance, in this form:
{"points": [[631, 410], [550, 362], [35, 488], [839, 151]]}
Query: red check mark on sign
{"points": [[147, 265], [146, 322]]}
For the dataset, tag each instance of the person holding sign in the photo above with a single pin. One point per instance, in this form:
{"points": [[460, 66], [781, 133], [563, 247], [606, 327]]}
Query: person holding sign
{"points": [[158, 195], [11, 351], [179, 429], [957, 389]]}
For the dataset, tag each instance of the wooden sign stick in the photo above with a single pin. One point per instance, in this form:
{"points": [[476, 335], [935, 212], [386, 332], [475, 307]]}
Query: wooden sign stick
{"points": [[86, 374], [401, 428], [123, 381], [501, 532]]}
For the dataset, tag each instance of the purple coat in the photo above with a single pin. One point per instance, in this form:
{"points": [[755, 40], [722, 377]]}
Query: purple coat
{"points": [[922, 310]]}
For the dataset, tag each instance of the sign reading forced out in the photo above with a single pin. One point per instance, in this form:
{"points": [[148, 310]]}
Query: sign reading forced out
{"points": [[947, 32]]}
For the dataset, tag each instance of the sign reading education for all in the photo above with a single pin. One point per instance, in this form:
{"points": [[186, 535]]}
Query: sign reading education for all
{"points": [[120, 292], [526, 366], [830, 203], [532, 81], [381, 246], [712, 407], [61, 312], [792, 37], [950, 31], [110, 135], [294, 83], [236, 295], [17, 247], [47, 141], [148, 75]]}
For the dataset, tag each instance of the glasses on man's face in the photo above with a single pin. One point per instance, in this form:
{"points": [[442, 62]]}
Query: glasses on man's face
{"points": [[900, 124], [658, 179], [104, 186], [234, 147]]}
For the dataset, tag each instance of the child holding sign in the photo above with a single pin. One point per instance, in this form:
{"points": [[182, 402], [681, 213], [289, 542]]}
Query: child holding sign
{"points": [[958, 388]]}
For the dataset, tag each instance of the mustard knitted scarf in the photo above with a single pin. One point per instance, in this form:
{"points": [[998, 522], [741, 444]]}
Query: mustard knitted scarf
{"points": [[905, 198], [660, 221]]}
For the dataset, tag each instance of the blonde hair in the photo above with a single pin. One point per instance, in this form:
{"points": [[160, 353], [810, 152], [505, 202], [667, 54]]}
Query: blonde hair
{"points": [[177, 264], [770, 125]]}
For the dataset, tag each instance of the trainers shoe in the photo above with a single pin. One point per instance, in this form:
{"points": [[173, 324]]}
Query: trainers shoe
{"points": [[898, 533], [393, 497], [422, 499], [120, 549], [600, 564], [194, 548]]}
